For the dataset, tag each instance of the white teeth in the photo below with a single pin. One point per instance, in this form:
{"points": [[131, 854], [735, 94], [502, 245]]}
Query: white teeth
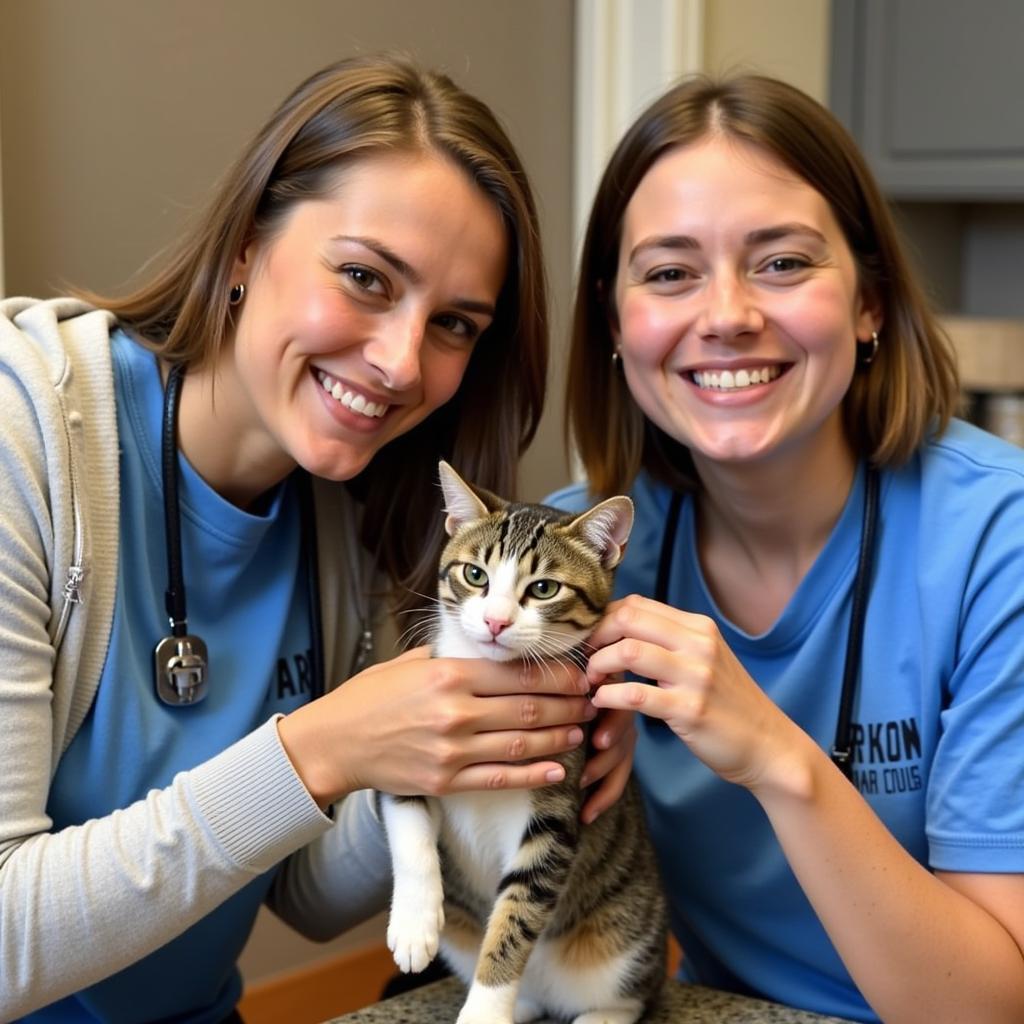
{"points": [[726, 380], [351, 399]]}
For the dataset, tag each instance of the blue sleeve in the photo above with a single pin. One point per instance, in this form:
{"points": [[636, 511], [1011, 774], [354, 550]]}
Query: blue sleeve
{"points": [[975, 805]]}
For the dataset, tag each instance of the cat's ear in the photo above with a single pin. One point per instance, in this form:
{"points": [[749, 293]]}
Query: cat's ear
{"points": [[461, 502], [606, 528]]}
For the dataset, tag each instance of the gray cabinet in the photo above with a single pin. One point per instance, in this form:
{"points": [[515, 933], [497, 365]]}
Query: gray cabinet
{"points": [[933, 90]]}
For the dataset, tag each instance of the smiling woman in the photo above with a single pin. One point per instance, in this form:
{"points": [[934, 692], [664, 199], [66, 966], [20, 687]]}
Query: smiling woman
{"points": [[821, 556], [365, 273], [736, 305], [382, 287]]}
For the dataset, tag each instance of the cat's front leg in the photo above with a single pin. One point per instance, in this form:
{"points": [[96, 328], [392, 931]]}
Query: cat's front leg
{"points": [[527, 896], [417, 900]]}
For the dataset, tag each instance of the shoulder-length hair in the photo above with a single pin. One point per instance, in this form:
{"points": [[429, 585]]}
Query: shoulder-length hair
{"points": [[347, 111], [912, 385]]}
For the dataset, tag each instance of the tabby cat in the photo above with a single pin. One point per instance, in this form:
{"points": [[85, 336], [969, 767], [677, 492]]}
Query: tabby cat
{"points": [[537, 913]]}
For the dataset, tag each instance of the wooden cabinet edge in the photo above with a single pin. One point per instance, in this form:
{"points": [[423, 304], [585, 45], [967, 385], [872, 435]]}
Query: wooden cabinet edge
{"points": [[990, 352]]}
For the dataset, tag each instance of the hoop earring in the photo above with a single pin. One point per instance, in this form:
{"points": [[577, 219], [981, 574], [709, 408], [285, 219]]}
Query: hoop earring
{"points": [[236, 294], [867, 350]]}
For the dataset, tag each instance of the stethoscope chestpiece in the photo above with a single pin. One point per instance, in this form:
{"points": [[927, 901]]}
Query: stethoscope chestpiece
{"points": [[181, 670], [181, 664]]}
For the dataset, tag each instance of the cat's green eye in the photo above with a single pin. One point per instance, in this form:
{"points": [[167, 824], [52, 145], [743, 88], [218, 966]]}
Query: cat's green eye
{"points": [[543, 590], [474, 575]]}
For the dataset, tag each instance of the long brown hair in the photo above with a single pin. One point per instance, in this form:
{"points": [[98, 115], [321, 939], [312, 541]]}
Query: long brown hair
{"points": [[346, 111], [911, 387]]}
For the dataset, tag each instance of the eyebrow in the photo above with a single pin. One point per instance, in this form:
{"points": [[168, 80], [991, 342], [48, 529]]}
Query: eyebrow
{"points": [[409, 272], [773, 234], [757, 237]]}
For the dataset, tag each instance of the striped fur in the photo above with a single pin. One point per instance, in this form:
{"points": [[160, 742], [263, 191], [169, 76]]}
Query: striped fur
{"points": [[537, 913]]}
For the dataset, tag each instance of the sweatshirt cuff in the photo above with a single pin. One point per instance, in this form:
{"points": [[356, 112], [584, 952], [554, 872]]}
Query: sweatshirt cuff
{"points": [[254, 802]]}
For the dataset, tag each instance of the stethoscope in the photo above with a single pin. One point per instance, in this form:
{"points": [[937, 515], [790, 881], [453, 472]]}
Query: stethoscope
{"points": [[842, 748], [181, 660]]}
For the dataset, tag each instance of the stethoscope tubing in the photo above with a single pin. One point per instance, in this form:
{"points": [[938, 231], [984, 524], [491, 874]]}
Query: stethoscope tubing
{"points": [[174, 595], [842, 748]]}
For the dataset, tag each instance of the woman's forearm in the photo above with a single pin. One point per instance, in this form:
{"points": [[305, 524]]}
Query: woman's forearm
{"points": [[917, 949]]}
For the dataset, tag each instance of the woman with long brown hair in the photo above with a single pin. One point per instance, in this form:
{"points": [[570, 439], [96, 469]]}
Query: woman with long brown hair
{"points": [[826, 576], [363, 275]]}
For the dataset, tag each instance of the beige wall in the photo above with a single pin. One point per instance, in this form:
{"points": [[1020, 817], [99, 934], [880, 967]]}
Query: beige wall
{"points": [[785, 38], [2, 291]]}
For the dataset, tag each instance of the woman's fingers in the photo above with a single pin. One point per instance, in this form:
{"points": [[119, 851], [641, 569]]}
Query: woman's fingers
{"points": [[494, 760], [632, 696], [525, 711], [641, 618], [506, 776], [636, 657], [521, 745], [611, 788], [435, 725], [468, 696], [495, 679], [613, 737], [612, 729]]}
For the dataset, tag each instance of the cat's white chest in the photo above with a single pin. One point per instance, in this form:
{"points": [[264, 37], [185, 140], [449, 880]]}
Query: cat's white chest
{"points": [[484, 831]]}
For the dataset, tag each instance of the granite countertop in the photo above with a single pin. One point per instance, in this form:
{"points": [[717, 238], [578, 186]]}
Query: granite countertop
{"points": [[440, 1003]]}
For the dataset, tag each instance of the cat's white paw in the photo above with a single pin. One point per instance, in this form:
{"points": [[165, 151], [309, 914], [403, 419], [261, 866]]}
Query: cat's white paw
{"points": [[414, 930], [478, 1015], [486, 1005], [467, 1016], [618, 1016]]}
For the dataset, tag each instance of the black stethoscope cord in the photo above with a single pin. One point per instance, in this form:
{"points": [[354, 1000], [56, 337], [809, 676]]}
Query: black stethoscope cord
{"points": [[311, 555], [842, 748], [181, 660], [174, 595], [181, 664]]}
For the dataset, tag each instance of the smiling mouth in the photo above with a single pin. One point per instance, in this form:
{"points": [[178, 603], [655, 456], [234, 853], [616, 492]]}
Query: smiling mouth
{"points": [[350, 399], [734, 380]]}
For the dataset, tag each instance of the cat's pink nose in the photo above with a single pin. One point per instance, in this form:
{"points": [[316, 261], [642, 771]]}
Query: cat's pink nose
{"points": [[496, 624]]}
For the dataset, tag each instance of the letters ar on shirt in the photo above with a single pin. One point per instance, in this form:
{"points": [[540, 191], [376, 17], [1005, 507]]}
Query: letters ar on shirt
{"points": [[887, 757], [293, 677]]}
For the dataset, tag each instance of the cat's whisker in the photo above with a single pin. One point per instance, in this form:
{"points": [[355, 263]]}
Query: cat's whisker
{"points": [[433, 601], [553, 650], [425, 630], [416, 636], [429, 598]]}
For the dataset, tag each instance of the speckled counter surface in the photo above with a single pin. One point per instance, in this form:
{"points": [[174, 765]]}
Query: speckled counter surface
{"points": [[679, 1004]]}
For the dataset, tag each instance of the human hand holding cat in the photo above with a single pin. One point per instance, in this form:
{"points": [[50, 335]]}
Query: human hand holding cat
{"points": [[703, 693], [422, 725], [614, 737]]}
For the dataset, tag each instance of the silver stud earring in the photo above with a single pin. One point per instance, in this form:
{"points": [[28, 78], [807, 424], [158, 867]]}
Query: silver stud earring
{"points": [[236, 294], [616, 356]]}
